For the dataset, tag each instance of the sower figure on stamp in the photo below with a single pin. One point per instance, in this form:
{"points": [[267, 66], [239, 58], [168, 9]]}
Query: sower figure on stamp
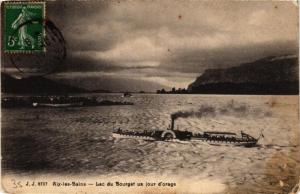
{"points": [[24, 38]]}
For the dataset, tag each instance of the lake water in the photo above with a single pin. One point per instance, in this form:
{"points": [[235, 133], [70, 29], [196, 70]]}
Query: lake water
{"points": [[79, 140]]}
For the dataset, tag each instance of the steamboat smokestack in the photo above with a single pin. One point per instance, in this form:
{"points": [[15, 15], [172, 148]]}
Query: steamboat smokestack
{"points": [[172, 123]]}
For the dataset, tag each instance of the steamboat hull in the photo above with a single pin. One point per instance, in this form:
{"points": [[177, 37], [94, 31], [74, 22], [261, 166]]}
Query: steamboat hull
{"points": [[169, 135], [245, 143]]}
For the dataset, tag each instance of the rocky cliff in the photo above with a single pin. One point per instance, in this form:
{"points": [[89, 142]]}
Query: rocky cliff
{"points": [[272, 75]]}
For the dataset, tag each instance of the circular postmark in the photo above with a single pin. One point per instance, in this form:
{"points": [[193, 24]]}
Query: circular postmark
{"points": [[47, 61]]}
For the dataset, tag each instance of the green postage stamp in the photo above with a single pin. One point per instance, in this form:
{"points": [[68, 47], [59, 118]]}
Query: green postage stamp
{"points": [[23, 27]]}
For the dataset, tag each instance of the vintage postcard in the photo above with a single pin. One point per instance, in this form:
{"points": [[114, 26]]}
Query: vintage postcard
{"points": [[142, 97]]}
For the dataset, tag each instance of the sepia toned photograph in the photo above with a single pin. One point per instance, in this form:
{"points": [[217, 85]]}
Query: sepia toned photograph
{"points": [[150, 97]]}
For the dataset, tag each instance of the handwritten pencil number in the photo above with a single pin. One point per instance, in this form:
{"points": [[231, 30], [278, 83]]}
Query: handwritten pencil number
{"points": [[16, 184]]}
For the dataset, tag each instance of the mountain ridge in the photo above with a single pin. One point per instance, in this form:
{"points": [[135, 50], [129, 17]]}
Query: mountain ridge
{"points": [[270, 75], [35, 85]]}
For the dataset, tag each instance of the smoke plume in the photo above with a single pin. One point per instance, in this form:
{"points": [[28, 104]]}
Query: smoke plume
{"points": [[230, 109], [201, 112]]}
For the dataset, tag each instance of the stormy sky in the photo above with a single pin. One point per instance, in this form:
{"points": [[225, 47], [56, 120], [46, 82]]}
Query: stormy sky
{"points": [[153, 44]]}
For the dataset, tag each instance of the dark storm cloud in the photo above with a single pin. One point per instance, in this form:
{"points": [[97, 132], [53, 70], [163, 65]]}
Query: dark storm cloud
{"points": [[75, 18], [86, 64], [154, 38], [200, 60]]}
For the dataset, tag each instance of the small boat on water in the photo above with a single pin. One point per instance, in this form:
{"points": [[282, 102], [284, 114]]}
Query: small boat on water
{"points": [[127, 94], [36, 104], [211, 137]]}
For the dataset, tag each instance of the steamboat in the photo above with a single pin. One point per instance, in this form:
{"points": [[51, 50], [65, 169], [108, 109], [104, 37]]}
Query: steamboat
{"points": [[171, 134]]}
